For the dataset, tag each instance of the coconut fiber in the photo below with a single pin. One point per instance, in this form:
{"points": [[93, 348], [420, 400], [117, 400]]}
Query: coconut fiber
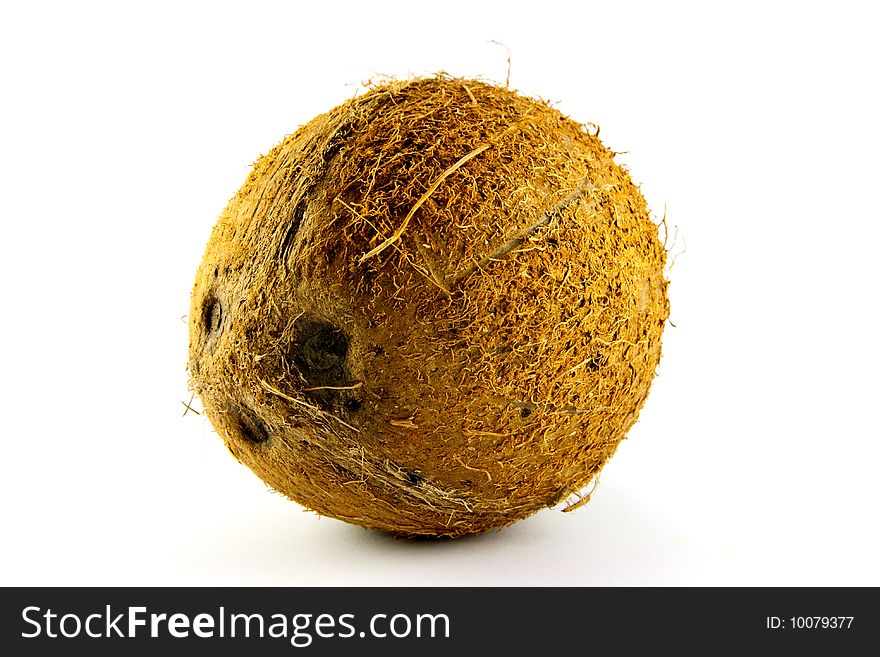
{"points": [[433, 310]]}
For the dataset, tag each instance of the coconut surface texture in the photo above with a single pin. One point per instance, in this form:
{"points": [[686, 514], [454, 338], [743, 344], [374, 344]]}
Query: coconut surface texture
{"points": [[433, 310]]}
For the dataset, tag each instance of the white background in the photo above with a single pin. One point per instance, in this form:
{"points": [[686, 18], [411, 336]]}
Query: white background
{"points": [[125, 128]]}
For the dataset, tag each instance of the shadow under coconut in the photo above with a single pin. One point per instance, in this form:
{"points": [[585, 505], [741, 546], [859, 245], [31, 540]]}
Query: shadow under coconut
{"points": [[617, 539], [377, 539]]}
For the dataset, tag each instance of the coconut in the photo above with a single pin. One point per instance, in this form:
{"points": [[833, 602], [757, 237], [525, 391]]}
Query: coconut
{"points": [[433, 310]]}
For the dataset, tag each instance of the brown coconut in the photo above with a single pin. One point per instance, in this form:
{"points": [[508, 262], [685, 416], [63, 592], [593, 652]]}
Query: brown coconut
{"points": [[433, 310]]}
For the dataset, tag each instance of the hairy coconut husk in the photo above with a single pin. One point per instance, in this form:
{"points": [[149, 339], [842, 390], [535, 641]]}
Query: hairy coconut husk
{"points": [[433, 310]]}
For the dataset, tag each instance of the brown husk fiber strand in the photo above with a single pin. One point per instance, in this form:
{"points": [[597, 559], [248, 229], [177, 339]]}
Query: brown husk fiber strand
{"points": [[433, 310]]}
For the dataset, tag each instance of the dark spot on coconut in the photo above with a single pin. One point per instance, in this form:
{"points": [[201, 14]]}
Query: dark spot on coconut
{"points": [[216, 271], [525, 411], [212, 314], [378, 351], [319, 352], [323, 348], [412, 478], [296, 219], [352, 404], [594, 363], [249, 425]]}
